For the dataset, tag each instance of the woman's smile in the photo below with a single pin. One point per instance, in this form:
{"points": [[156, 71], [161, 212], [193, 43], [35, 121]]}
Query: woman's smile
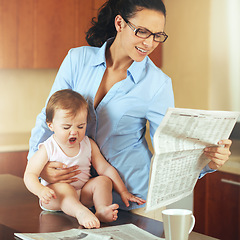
{"points": [[141, 50]]}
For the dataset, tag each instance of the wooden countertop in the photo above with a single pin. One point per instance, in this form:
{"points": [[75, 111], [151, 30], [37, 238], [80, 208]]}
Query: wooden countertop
{"points": [[20, 212]]}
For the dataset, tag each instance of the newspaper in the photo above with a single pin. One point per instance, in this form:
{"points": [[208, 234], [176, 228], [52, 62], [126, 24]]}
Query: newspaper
{"points": [[68, 234], [178, 159], [125, 231], [120, 232]]}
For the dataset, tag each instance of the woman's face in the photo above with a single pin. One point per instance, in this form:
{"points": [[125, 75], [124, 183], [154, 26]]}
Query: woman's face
{"points": [[137, 48]]}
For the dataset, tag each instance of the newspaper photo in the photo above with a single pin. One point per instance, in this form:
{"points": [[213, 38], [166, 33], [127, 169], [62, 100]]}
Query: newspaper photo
{"points": [[178, 158]]}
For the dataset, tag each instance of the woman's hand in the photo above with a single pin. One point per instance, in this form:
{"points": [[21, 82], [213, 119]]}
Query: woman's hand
{"points": [[218, 155], [127, 196], [58, 172]]}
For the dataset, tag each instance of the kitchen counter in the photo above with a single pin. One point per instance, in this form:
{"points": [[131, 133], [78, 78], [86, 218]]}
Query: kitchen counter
{"points": [[20, 212], [13, 142]]}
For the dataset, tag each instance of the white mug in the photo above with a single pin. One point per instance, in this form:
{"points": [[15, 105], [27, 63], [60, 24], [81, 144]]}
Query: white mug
{"points": [[177, 223]]}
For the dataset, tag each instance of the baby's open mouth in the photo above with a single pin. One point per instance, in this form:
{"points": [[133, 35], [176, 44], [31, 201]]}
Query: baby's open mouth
{"points": [[72, 140]]}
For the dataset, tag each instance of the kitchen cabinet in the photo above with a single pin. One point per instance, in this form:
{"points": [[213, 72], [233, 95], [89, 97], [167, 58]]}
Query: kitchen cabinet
{"points": [[38, 34], [217, 205], [13, 162]]}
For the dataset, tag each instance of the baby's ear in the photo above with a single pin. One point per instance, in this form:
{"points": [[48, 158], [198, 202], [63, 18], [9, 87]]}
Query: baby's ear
{"points": [[50, 126]]}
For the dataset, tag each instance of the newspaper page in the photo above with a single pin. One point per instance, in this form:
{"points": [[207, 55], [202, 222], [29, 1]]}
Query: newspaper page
{"points": [[68, 234], [125, 231], [119, 232], [178, 159]]}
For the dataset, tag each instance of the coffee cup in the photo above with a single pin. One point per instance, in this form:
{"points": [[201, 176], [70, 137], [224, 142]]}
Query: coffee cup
{"points": [[177, 223]]}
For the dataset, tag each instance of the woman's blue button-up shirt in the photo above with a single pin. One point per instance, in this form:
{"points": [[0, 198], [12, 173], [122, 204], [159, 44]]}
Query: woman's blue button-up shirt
{"points": [[118, 124]]}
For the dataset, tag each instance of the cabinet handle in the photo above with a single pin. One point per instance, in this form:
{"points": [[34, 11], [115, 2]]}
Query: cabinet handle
{"points": [[230, 182]]}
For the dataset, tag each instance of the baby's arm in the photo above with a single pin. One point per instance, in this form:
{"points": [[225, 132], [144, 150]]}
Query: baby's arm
{"points": [[32, 173], [104, 168]]}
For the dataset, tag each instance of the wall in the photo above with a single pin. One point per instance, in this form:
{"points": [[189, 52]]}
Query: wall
{"points": [[23, 94], [202, 54], [186, 52], [225, 55], [186, 59]]}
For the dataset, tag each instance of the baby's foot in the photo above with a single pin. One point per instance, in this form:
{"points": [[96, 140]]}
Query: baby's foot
{"points": [[107, 213], [87, 219]]}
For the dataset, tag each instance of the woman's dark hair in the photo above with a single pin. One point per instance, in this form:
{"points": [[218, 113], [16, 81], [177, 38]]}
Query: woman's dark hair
{"points": [[103, 26]]}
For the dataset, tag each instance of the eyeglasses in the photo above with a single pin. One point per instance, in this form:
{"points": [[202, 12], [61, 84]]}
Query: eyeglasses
{"points": [[145, 33]]}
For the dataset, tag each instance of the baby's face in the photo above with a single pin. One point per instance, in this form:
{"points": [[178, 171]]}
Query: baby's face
{"points": [[69, 130]]}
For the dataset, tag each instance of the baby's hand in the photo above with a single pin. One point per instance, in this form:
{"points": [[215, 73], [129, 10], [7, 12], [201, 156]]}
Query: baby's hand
{"points": [[127, 196], [46, 195]]}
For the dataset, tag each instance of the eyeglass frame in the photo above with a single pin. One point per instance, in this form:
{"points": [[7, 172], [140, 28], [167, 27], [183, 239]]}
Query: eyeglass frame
{"points": [[136, 30]]}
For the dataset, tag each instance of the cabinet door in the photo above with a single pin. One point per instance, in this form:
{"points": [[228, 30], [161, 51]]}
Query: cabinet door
{"points": [[217, 206], [38, 34], [60, 25], [156, 56], [8, 33]]}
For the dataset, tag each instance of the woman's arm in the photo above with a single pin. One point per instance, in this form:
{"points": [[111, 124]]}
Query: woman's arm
{"points": [[105, 169], [58, 172]]}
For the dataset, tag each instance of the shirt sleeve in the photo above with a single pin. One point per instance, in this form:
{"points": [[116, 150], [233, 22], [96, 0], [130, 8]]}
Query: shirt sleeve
{"points": [[41, 131], [162, 100], [206, 170]]}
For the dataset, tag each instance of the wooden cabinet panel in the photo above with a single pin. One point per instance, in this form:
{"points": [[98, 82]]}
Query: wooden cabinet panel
{"points": [[16, 33], [25, 34], [96, 5], [13, 163], [8, 33], [156, 56], [55, 31], [38, 34], [58, 29], [217, 206]]}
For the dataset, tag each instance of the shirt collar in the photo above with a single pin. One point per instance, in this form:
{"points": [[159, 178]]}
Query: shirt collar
{"points": [[135, 70], [100, 57]]}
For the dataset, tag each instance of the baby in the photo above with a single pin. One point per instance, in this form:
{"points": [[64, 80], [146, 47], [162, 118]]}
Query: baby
{"points": [[66, 116]]}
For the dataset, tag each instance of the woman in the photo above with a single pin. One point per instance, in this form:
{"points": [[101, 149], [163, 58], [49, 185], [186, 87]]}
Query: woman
{"points": [[124, 90]]}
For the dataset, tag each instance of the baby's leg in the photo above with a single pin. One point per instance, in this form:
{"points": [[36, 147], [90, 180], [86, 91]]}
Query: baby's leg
{"points": [[98, 192], [68, 201]]}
